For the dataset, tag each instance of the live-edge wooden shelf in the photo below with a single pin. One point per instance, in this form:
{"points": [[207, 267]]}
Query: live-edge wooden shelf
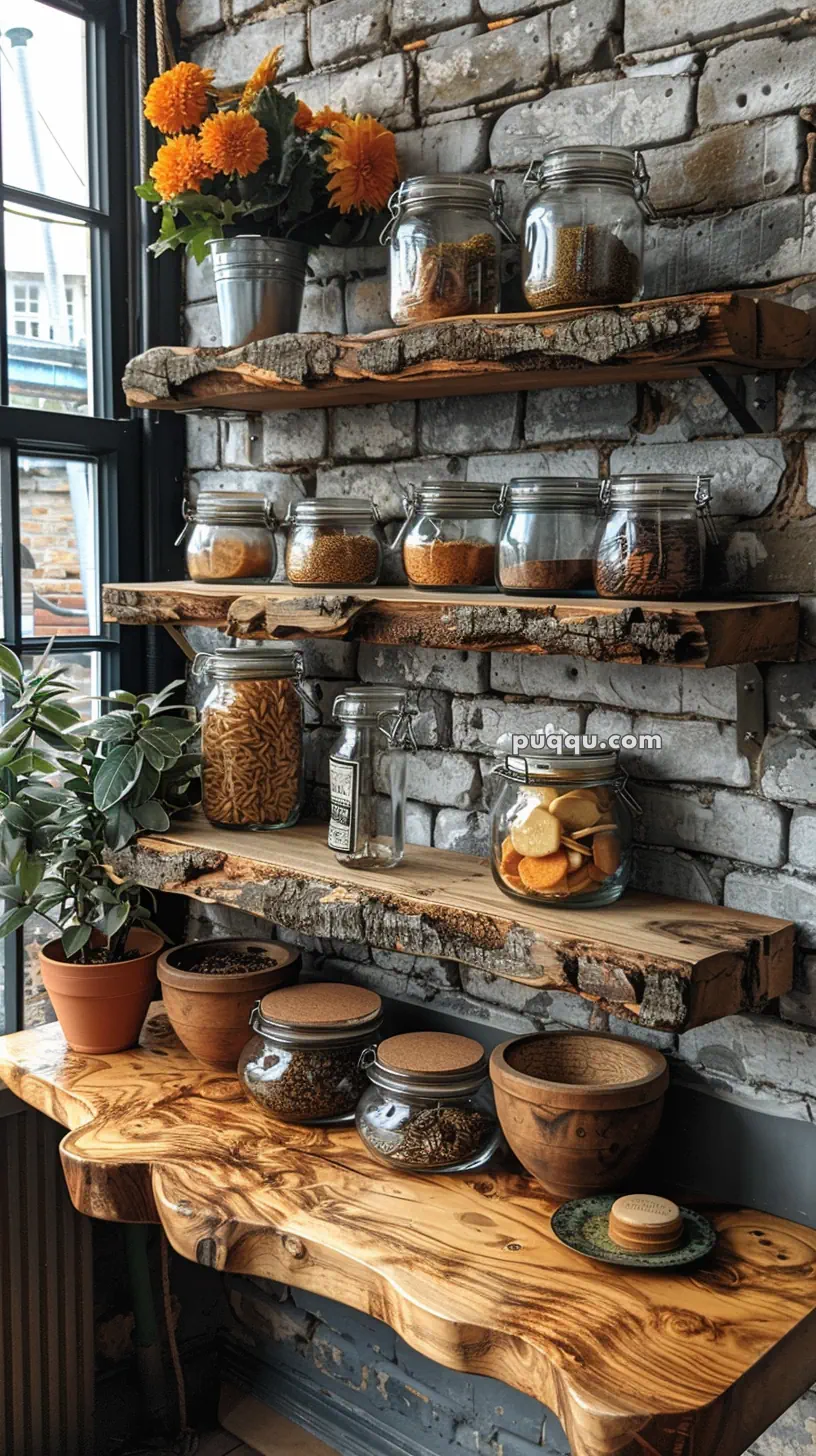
{"points": [[668, 338], [688, 634], [663, 963], [465, 1268]]}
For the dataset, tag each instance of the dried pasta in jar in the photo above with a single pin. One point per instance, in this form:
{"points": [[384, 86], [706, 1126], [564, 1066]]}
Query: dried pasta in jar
{"points": [[252, 740]]}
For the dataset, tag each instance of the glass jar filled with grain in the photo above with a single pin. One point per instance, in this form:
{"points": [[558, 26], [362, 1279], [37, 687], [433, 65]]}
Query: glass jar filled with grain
{"points": [[252, 737], [561, 827], [336, 541], [430, 1105], [653, 536], [582, 234], [450, 535], [444, 236], [229, 537], [548, 533], [304, 1062]]}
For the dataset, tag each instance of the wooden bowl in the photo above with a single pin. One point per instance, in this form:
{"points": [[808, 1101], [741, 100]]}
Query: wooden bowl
{"points": [[580, 1109], [210, 1014]]}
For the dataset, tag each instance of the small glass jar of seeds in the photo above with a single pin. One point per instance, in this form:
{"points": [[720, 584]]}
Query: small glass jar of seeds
{"points": [[430, 1105], [450, 535], [561, 827], [582, 235], [336, 541], [367, 777], [653, 536], [229, 537], [548, 533], [444, 237], [304, 1062]]}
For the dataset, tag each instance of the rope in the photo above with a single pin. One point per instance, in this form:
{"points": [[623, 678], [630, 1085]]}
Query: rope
{"points": [[141, 51], [188, 1440]]}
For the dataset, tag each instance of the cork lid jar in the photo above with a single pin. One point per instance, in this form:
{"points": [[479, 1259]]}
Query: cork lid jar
{"points": [[304, 1063], [429, 1106]]}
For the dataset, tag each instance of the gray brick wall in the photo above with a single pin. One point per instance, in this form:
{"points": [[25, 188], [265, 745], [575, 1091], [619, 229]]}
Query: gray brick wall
{"points": [[721, 98]]}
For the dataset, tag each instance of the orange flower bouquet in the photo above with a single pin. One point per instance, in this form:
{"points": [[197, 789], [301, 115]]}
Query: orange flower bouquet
{"points": [[259, 161]]}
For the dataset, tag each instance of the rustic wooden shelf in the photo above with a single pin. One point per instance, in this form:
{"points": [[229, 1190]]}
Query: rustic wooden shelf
{"points": [[668, 964], [687, 634], [666, 338], [466, 1269]]}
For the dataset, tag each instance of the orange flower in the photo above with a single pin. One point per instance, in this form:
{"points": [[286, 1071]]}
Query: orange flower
{"points": [[179, 167], [325, 119], [303, 118], [233, 141], [263, 75], [178, 99], [363, 160]]}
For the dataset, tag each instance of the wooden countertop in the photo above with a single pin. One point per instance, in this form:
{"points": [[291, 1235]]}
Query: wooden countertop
{"points": [[466, 1268]]}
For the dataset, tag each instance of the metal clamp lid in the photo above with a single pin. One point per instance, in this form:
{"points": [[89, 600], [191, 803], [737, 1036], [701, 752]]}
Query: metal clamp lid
{"points": [[227, 508], [661, 490], [594, 164], [452, 189]]}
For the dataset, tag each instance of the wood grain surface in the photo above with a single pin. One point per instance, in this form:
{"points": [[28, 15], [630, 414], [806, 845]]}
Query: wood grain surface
{"points": [[688, 634], [466, 1268], [653, 339], [664, 963]]}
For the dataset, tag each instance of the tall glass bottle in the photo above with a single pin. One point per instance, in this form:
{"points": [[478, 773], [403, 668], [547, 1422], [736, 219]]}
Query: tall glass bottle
{"points": [[369, 761]]}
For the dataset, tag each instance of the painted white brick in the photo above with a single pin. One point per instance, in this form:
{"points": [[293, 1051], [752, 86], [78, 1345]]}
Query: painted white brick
{"points": [[457, 672], [202, 440], [467, 832], [792, 1434], [342, 30], [482, 721], [323, 308], [757, 78], [379, 87], [416, 17], [789, 768], [655, 689], [800, 1004], [461, 425], [586, 35], [374, 431], [729, 167], [583, 463], [513, 58], [746, 474], [436, 777], [367, 301], [324, 658], [802, 848], [277, 486], [241, 439], [500, 9], [202, 326], [453, 146], [710, 694], [198, 280], [234, 56], [292, 436], [759, 244], [629, 113], [719, 822], [196, 15], [790, 694], [785, 896], [669, 872], [799, 401], [604, 412], [654, 23], [378, 483], [688, 408], [753, 1049], [693, 752], [419, 820]]}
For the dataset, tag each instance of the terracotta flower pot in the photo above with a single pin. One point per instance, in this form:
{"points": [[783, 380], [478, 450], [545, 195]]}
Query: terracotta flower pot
{"points": [[579, 1109], [101, 1008], [210, 1013]]}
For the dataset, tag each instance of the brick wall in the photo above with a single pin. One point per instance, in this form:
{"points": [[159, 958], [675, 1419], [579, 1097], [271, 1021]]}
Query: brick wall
{"points": [[720, 94]]}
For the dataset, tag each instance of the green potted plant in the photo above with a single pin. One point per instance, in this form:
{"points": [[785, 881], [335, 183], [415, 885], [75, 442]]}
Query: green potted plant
{"points": [[255, 177], [71, 794]]}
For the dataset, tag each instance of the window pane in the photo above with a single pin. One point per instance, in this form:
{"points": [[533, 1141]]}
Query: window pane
{"points": [[59, 547], [44, 112], [48, 306], [84, 671]]}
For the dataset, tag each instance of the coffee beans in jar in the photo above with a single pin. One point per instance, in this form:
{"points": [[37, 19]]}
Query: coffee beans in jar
{"points": [[653, 537], [334, 541], [304, 1063], [251, 739], [429, 1107]]}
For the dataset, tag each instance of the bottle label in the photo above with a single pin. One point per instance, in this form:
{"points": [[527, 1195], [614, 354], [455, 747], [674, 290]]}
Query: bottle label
{"points": [[344, 787]]}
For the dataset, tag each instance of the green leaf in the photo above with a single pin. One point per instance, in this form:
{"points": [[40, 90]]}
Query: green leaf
{"points": [[16, 726], [152, 816], [120, 827], [30, 875], [60, 715], [180, 728], [120, 696], [152, 754], [117, 775], [32, 762], [17, 816], [116, 918], [155, 700], [146, 785], [147, 190], [15, 919], [74, 938], [10, 665]]}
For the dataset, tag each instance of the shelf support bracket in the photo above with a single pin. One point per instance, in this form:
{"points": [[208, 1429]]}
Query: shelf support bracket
{"points": [[749, 398], [750, 711]]}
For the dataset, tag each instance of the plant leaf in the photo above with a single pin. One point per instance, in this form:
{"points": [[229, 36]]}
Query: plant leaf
{"points": [[74, 938], [15, 919], [10, 664], [117, 775], [152, 816]]}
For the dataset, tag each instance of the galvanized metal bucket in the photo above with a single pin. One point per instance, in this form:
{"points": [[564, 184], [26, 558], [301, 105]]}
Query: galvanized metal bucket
{"points": [[258, 285]]}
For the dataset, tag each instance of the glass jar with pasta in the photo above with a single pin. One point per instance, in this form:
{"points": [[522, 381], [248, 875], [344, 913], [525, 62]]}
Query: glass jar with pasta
{"points": [[252, 737]]}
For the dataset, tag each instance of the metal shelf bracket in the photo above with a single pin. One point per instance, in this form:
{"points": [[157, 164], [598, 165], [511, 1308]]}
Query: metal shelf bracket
{"points": [[749, 398]]}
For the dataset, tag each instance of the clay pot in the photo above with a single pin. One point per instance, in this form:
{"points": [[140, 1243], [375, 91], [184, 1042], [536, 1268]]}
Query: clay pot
{"points": [[101, 1008], [210, 1014], [579, 1109]]}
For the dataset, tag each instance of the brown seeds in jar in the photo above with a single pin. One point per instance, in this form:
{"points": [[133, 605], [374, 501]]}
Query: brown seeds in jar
{"points": [[331, 558], [450, 563], [251, 751], [305, 1085], [451, 279], [435, 1137], [591, 265], [547, 576], [229, 558]]}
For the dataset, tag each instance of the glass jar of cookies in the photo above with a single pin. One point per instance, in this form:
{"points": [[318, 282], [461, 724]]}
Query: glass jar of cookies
{"points": [[335, 541], [450, 535], [561, 828], [229, 537], [252, 737], [444, 238]]}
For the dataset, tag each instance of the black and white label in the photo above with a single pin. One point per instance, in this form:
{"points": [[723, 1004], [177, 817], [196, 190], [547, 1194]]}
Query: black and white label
{"points": [[344, 786]]}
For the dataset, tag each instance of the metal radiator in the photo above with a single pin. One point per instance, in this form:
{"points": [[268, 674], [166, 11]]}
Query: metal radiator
{"points": [[46, 1295]]}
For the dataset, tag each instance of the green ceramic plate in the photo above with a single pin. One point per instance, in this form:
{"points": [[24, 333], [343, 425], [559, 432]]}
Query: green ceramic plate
{"points": [[582, 1225]]}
